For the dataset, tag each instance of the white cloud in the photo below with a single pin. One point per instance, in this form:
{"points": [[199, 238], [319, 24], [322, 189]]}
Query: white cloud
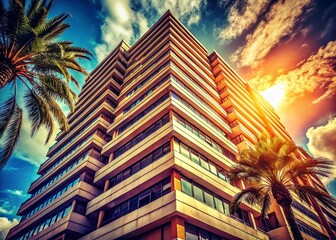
{"points": [[118, 24], [239, 21], [6, 225], [18, 193], [322, 142], [6, 207], [279, 22], [317, 71], [188, 11], [33, 149], [121, 22]]}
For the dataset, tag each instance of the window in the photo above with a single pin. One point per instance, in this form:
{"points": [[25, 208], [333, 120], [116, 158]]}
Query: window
{"points": [[204, 163], [219, 205], [186, 187], [184, 150], [144, 198], [195, 233], [142, 163], [124, 208], [166, 186], [134, 204], [198, 194], [156, 154], [191, 232], [142, 97], [156, 192], [226, 208], [201, 160], [194, 157], [116, 212], [213, 169], [209, 199], [204, 235], [135, 168], [142, 135], [127, 173]]}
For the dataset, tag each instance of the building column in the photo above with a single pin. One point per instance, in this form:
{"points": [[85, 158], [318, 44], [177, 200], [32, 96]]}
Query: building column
{"points": [[253, 223], [111, 157], [106, 185], [73, 205], [177, 228], [175, 179], [101, 216]]}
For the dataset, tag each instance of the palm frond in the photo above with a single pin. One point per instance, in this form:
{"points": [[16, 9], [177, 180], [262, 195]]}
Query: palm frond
{"points": [[12, 135], [266, 204], [7, 109], [307, 191], [38, 113], [251, 195]]}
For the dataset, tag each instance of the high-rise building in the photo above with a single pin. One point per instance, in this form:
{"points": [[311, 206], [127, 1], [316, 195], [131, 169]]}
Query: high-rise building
{"points": [[155, 131]]}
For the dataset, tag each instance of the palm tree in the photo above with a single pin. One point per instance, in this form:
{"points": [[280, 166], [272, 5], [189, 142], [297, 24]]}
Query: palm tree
{"points": [[274, 169], [31, 53]]}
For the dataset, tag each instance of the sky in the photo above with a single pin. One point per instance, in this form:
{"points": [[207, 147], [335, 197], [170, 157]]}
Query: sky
{"points": [[285, 49]]}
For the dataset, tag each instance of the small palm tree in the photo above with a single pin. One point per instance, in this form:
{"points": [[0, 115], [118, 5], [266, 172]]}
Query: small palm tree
{"points": [[31, 53], [274, 169]]}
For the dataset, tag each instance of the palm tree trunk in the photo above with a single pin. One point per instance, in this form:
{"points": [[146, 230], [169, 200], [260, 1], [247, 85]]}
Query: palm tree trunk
{"points": [[7, 73], [292, 222]]}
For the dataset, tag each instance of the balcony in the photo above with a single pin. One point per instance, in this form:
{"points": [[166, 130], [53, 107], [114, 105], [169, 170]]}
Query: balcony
{"points": [[90, 165], [175, 203]]}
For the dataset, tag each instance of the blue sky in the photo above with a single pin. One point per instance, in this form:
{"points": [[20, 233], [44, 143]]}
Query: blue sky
{"points": [[287, 44]]}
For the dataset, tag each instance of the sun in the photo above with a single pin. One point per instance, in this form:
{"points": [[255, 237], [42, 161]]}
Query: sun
{"points": [[274, 95]]}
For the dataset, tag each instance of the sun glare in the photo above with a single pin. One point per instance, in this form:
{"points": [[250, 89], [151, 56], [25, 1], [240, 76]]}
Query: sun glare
{"points": [[274, 95]]}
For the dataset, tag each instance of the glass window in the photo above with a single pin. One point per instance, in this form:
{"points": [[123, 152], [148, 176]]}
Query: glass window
{"points": [[124, 208], [166, 186], [198, 193], [135, 168], [116, 212], [184, 150], [59, 216], [133, 203], [194, 157], [209, 199], [156, 192], [213, 169], [226, 208], [144, 163], [158, 124], [186, 187], [165, 148], [53, 219], [191, 232], [119, 178], [112, 182], [219, 205], [63, 190], [189, 127], [127, 146], [204, 235], [204, 162], [127, 173], [67, 211], [144, 198], [157, 154], [47, 223], [150, 159], [177, 146]]}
